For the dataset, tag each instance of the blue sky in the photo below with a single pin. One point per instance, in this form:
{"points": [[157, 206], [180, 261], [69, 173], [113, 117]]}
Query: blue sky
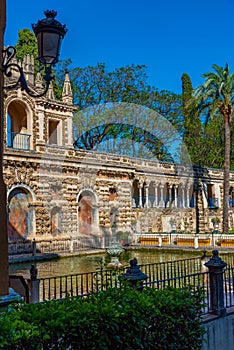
{"points": [[169, 36]]}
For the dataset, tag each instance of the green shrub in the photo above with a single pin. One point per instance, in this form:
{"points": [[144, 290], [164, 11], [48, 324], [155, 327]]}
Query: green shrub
{"points": [[115, 319]]}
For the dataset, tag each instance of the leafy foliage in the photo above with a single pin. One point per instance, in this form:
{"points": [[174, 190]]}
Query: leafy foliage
{"points": [[26, 44], [114, 319], [193, 135], [94, 87], [95, 136]]}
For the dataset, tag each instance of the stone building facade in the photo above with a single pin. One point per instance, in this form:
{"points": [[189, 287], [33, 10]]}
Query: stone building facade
{"points": [[57, 191]]}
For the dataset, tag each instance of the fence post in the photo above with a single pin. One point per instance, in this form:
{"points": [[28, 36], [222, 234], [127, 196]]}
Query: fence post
{"points": [[216, 266], [33, 284], [34, 247], [134, 275]]}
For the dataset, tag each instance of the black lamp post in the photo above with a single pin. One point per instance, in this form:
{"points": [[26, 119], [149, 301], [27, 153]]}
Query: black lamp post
{"points": [[49, 33]]}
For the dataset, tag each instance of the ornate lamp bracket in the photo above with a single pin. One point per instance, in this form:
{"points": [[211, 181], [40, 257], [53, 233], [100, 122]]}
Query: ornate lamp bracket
{"points": [[8, 66]]}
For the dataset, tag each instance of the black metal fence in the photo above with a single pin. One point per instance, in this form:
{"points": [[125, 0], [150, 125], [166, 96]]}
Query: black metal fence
{"points": [[83, 284], [229, 287], [217, 282]]}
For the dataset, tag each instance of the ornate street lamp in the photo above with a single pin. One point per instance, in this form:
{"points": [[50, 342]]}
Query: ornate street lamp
{"points": [[49, 33]]}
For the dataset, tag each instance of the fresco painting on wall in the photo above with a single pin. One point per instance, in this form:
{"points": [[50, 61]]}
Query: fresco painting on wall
{"points": [[85, 214], [18, 215]]}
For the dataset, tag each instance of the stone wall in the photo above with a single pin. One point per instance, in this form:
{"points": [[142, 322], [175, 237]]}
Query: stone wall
{"points": [[56, 177], [55, 190], [219, 333]]}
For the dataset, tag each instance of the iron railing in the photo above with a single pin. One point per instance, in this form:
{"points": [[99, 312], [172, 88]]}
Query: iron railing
{"points": [[229, 287], [19, 141], [176, 274], [78, 284], [47, 246], [82, 284]]}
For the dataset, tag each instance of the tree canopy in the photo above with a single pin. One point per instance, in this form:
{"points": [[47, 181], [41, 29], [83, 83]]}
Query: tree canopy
{"points": [[95, 86], [216, 97]]}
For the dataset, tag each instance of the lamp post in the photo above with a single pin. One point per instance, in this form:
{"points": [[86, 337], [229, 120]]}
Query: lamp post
{"points": [[4, 282], [49, 33]]}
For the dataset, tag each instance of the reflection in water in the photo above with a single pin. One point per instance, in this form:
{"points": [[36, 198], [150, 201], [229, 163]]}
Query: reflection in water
{"points": [[81, 264]]}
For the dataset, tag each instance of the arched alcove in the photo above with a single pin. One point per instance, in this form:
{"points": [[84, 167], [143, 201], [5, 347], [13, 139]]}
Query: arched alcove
{"points": [[88, 218], [152, 194], [20, 213], [19, 125]]}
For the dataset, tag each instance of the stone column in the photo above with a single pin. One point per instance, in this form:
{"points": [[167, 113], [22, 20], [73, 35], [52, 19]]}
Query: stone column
{"points": [[146, 196], [188, 197], [69, 132], [155, 195], [176, 196], [161, 202], [182, 197], [140, 186], [41, 126]]}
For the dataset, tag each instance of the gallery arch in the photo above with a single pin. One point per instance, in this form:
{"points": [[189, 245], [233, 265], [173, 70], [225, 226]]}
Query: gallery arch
{"points": [[21, 214]]}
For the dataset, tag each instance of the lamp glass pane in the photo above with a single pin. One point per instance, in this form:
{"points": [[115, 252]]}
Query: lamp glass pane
{"points": [[48, 46], [39, 43]]}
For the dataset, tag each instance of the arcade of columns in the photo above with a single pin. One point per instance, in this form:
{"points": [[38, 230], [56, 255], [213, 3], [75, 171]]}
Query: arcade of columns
{"points": [[172, 199]]}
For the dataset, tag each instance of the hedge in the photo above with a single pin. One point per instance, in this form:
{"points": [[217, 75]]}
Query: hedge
{"points": [[115, 319]]}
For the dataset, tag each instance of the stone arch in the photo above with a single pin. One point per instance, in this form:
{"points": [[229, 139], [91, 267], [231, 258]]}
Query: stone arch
{"points": [[19, 125], [87, 214], [21, 215], [152, 198], [135, 193]]}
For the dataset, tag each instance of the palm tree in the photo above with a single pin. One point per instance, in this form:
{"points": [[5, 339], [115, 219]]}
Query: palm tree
{"points": [[216, 96]]}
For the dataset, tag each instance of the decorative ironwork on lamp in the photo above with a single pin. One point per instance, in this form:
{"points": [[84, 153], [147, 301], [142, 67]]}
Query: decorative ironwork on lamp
{"points": [[49, 33]]}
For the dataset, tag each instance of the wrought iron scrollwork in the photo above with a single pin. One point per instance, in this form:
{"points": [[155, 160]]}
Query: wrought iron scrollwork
{"points": [[7, 66]]}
